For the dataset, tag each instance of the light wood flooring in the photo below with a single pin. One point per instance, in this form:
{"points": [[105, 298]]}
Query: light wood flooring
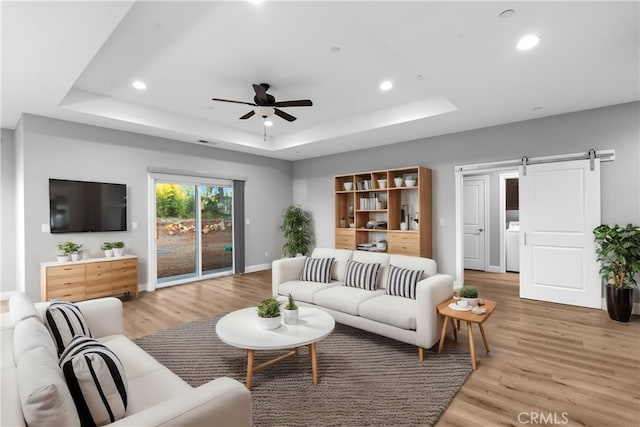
{"points": [[549, 363]]}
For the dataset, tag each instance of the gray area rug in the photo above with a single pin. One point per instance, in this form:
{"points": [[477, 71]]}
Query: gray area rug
{"points": [[364, 379]]}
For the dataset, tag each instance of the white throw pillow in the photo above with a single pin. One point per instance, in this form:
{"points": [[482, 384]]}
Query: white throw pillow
{"points": [[44, 396], [96, 380]]}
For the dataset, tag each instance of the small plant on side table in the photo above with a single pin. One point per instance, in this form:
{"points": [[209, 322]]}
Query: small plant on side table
{"points": [[469, 294], [269, 316], [290, 312]]}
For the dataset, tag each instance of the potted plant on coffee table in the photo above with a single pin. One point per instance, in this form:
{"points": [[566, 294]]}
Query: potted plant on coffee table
{"points": [[290, 312], [618, 251], [269, 316], [296, 229]]}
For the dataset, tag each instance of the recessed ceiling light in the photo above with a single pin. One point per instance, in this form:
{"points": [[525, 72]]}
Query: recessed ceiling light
{"points": [[508, 13], [527, 42], [336, 49], [537, 108], [268, 123], [386, 85], [139, 84]]}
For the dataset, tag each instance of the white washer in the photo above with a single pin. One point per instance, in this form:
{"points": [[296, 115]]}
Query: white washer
{"points": [[512, 246]]}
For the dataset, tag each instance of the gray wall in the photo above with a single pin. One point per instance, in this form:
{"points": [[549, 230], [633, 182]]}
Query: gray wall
{"points": [[7, 212], [614, 127], [58, 149]]}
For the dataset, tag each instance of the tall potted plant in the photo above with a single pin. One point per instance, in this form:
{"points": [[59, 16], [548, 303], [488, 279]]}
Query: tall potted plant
{"points": [[618, 250], [296, 229]]}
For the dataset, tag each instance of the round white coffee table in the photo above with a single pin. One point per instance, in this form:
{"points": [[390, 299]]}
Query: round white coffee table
{"points": [[240, 329]]}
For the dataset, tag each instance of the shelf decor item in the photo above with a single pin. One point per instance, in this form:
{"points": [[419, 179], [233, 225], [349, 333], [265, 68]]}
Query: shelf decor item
{"points": [[290, 312], [296, 229], [398, 181], [618, 251], [269, 316]]}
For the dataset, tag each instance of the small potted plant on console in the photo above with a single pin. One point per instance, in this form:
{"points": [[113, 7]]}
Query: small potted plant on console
{"points": [[107, 247], [269, 316], [117, 248], [290, 312], [67, 249]]}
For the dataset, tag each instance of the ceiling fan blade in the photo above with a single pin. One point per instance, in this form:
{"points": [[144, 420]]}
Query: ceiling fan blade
{"points": [[286, 116], [261, 97], [296, 103], [249, 114], [235, 102]]}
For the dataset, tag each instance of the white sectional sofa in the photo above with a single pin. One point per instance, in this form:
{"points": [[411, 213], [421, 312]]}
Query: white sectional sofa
{"points": [[414, 321], [156, 396]]}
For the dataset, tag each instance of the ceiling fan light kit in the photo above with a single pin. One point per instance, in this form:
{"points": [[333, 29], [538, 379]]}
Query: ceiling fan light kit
{"points": [[266, 104]]}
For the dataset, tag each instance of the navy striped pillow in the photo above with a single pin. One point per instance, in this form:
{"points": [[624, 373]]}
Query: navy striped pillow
{"points": [[361, 275], [96, 379], [317, 270], [65, 321], [402, 282]]}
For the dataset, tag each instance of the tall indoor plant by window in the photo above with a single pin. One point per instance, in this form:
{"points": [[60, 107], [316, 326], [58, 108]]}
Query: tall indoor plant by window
{"points": [[618, 250], [296, 229]]}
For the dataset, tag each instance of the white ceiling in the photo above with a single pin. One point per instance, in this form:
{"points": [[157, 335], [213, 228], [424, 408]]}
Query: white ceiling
{"points": [[76, 61]]}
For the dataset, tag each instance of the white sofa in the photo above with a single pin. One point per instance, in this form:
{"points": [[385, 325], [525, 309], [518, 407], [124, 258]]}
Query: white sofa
{"points": [[156, 396], [414, 321]]}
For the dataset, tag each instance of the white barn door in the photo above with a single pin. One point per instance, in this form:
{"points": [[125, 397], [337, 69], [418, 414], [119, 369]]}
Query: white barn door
{"points": [[473, 204], [559, 208]]}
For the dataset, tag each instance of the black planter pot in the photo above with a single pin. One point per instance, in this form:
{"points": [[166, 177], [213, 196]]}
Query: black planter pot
{"points": [[619, 303]]}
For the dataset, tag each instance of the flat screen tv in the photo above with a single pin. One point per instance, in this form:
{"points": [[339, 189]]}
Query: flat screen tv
{"points": [[80, 206]]}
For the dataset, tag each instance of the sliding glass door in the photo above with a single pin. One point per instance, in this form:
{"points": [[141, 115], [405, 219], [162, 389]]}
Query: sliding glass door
{"points": [[194, 230]]}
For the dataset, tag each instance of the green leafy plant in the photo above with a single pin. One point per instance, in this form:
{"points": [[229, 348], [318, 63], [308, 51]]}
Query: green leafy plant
{"points": [[269, 307], [618, 251], [68, 248], [106, 246], [296, 229], [291, 304], [117, 245], [468, 293]]}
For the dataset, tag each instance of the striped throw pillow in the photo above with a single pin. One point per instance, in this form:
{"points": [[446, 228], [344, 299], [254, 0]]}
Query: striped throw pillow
{"points": [[361, 275], [317, 270], [96, 379], [402, 282], [65, 321]]}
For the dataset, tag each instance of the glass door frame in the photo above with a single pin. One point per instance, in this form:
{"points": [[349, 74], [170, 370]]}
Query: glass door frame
{"points": [[196, 181]]}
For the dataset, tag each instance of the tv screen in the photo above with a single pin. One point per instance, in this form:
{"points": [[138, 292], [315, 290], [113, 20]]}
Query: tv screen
{"points": [[80, 206]]}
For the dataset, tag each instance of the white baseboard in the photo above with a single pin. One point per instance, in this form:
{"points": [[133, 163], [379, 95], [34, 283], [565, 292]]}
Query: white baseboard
{"points": [[6, 294], [258, 267], [494, 269]]}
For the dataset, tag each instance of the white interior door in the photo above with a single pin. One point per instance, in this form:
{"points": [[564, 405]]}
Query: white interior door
{"points": [[559, 208], [474, 223]]}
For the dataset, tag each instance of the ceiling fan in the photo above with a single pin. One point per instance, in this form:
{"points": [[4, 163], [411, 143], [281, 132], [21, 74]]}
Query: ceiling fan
{"points": [[266, 105]]}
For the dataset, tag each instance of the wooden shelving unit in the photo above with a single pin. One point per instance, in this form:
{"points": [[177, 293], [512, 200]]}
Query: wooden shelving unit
{"points": [[375, 198]]}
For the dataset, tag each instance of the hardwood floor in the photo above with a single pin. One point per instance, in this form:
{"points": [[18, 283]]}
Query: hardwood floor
{"points": [[549, 363]]}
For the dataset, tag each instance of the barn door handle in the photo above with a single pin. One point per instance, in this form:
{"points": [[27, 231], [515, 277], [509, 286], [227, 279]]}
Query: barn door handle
{"points": [[525, 239], [480, 230]]}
